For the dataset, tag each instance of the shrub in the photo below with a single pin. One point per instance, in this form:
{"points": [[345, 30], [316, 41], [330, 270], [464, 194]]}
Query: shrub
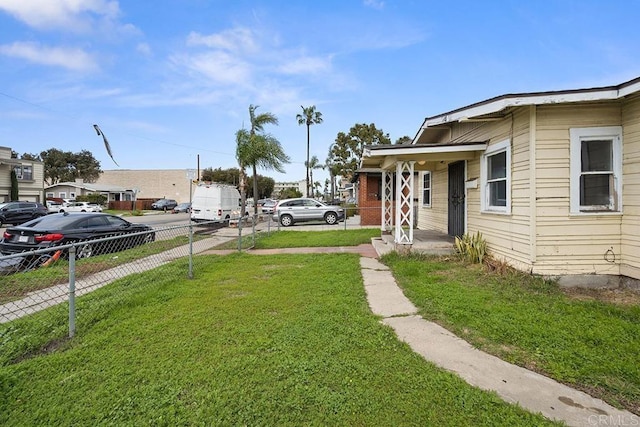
{"points": [[472, 248]]}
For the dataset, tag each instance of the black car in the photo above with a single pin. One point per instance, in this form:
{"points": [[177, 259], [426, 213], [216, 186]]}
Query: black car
{"points": [[19, 212], [65, 228]]}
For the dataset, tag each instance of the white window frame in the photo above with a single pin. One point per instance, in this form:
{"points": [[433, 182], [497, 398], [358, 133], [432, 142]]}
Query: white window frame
{"points": [[51, 195], [485, 196], [426, 203], [62, 194], [577, 135], [72, 195]]}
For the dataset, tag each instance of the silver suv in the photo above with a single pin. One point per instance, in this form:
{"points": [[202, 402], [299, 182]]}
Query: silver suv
{"points": [[290, 211]]}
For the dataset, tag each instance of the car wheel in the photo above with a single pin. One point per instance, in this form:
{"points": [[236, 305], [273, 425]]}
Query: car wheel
{"points": [[84, 251], [286, 220], [331, 218]]}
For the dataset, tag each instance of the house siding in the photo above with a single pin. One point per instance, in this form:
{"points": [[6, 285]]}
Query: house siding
{"points": [[507, 235], [559, 243], [630, 235], [28, 190], [565, 243]]}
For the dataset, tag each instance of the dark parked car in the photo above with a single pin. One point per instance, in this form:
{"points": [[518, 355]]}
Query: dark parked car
{"points": [[65, 228], [290, 211], [19, 212], [164, 204], [182, 207]]}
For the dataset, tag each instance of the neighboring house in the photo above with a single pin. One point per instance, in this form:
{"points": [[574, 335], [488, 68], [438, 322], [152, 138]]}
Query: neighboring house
{"points": [[151, 183], [30, 174], [551, 179], [71, 190]]}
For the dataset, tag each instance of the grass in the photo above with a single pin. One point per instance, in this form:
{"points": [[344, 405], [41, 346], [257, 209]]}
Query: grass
{"points": [[17, 285], [301, 239], [589, 344], [269, 340]]}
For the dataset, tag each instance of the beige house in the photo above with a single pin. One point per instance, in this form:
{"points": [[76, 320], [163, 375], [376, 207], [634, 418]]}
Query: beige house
{"points": [[551, 179], [151, 183], [70, 190], [30, 174]]}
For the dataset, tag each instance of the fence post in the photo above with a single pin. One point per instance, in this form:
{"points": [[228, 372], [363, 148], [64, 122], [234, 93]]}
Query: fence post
{"points": [[240, 234], [253, 228], [72, 291], [190, 249]]}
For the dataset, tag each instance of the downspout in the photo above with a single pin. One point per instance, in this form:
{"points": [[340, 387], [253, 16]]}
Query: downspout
{"points": [[533, 207]]}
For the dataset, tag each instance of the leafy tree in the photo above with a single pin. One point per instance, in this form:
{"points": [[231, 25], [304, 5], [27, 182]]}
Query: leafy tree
{"points": [[229, 176], [61, 166], [346, 153], [30, 156], [309, 117], [314, 163], [404, 140], [290, 193], [14, 186]]}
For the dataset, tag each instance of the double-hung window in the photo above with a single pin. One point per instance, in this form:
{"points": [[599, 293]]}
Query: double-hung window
{"points": [[495, 171], [596, 169], [426, 189]]}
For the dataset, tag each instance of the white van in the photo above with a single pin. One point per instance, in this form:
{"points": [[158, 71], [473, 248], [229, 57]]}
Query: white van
{"points": [[215, 202]]}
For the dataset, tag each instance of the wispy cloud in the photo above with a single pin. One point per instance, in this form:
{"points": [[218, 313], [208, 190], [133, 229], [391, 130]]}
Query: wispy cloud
{"points": [[375, 4], [236, 39], [70, 58], [73, 15]]}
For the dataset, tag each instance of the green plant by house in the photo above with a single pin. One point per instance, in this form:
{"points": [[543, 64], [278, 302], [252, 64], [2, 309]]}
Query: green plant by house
{"points": [[472, 248], [14, 185]]}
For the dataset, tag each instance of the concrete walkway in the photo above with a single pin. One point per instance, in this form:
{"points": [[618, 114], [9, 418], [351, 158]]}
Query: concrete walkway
{"points": [[514, 384], [530, 390]]}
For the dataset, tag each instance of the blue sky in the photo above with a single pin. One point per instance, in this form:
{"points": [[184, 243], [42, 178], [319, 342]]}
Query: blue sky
{"points": [[169, 80]]}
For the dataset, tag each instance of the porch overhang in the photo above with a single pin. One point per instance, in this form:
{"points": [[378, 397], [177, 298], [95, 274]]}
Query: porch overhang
{"points": [[385, 157]]}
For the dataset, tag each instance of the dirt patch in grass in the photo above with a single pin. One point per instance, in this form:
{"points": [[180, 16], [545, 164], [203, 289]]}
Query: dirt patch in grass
{"points": [[624, 297]]}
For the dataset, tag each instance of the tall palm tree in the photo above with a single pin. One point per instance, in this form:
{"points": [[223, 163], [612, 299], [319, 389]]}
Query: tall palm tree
{"points": [[257, 127], [309, 117], [312, 164], [257, 149]]}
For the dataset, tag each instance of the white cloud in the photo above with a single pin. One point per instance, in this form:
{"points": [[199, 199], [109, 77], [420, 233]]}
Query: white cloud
{"points": [[236, 39], [69, 58], [218, 66], [375, 4], [144, 49], [73, 15], [305, 65]]}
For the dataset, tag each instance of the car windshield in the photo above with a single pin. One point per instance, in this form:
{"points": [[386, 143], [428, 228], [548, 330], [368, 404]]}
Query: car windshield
{"points": [[2, 205]]}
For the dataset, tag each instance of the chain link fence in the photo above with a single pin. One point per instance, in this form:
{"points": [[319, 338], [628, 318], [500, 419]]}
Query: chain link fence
{"points": [[47, 295]]}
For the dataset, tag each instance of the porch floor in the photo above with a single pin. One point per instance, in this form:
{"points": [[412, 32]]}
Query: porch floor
{"points": [[424, 241]]}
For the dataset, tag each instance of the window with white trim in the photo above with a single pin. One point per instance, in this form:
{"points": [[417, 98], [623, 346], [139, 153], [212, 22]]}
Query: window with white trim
{"points": [[426, 189], [495, 172], [596, 169]]}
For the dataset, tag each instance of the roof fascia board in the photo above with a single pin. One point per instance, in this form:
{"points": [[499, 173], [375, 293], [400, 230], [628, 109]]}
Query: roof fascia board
{"points": [[416, 149], [526, 100]]}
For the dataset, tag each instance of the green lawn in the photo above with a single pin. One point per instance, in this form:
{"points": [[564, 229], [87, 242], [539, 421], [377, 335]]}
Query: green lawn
{"points": [[589, 344], [304, 239], [252, 340]]}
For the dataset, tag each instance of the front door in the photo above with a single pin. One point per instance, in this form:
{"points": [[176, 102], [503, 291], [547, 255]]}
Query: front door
{"points": [[456, 199]]}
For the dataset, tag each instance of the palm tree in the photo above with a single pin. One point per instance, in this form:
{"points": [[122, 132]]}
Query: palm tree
{"points": [[309, 117], [257, 149], [314, 163]]}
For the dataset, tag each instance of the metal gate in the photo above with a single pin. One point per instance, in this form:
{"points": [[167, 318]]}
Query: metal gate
{"points": [[456, 199]]}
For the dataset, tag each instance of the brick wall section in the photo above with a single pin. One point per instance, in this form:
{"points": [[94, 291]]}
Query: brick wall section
{"points": [[368, 201]]}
